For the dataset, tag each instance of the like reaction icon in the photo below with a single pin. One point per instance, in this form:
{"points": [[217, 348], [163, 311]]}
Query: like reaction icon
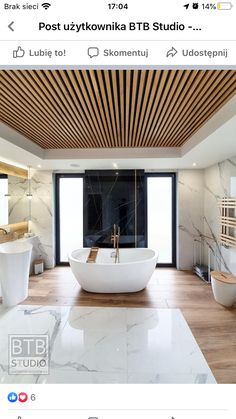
{"points": [[18, 53], [12, 397]]}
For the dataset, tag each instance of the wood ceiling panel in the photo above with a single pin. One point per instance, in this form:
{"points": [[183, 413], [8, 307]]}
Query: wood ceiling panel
{"points": [[112, 108]]}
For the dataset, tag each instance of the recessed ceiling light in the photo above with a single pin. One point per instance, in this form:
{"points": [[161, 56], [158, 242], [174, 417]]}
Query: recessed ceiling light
{"points": [[115, 165], [74, 165], [194, 164], [39, 166]]}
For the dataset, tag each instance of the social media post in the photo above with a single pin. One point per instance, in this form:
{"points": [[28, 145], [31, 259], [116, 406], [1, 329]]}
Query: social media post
{"points": [[112, 248], [117, 210]]}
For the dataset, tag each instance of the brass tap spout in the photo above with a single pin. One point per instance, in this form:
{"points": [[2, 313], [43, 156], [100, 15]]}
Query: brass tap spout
{"points": [[115, 238]]}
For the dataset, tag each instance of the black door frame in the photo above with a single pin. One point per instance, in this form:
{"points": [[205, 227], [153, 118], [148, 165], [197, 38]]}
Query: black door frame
{"points": [[172, 175], [58, 176]]}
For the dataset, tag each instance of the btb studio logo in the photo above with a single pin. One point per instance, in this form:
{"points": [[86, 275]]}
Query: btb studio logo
{"points": [[28, 354]]}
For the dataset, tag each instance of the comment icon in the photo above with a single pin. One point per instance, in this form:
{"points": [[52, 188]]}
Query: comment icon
{"points": [[93, 52]]}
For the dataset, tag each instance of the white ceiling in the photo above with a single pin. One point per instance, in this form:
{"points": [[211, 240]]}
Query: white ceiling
{"points": [[214, 142]]}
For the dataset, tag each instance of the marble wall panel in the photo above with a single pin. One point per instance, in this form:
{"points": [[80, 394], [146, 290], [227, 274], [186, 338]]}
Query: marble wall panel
{"points": [[114, 197], [190, 193], [42, 222], [198, 215], [220, 181]]}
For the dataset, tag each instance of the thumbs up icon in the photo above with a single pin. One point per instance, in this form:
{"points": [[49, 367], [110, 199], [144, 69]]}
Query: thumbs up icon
{"points": [[18, 53]]}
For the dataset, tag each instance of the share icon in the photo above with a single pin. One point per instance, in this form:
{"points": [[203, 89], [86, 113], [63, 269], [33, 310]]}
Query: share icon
{"points": [[171, 52]]}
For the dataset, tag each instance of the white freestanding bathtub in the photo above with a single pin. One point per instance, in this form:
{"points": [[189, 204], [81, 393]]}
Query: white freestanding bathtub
{"points": [[105, 276]]}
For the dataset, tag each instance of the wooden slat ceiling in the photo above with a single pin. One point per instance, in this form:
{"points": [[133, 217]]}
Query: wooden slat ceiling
{"points": [[112, 108]]}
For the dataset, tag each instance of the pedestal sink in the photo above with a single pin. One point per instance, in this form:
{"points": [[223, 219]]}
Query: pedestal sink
{"points": [[14, 271]]}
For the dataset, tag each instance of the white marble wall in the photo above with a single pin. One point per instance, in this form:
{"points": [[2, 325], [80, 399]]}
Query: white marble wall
{"points": [[220, 181], [190, 204], [37, 211], [198, 214], [42, 223]]}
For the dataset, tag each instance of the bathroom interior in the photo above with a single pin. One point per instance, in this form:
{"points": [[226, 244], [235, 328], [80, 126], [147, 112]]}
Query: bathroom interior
{"points": [[117, 224]]}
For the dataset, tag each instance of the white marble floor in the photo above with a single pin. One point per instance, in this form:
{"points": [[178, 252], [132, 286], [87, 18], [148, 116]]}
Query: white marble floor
{"points": [[107, 345]]}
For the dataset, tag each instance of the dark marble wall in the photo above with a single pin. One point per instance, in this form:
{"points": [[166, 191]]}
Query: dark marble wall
{"points": [[114, 197]]}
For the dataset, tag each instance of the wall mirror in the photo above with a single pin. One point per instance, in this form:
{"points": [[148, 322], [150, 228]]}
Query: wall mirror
{"points": [[14, 203]]}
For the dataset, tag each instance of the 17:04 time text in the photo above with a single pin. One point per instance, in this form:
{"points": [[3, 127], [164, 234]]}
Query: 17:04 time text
{"points": [[118, 6]]}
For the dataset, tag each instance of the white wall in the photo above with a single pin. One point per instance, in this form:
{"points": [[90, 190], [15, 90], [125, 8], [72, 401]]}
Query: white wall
{"points": [[38, 211], [42, 222], [198, 213], [190, 193], [220, 182]]}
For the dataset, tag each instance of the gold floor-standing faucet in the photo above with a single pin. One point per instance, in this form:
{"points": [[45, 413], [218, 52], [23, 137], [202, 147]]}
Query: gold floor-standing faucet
{"points": [[115, 238]]}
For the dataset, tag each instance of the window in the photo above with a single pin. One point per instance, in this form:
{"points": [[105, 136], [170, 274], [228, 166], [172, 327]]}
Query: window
{"points": [[161, 217], [69, 215]]}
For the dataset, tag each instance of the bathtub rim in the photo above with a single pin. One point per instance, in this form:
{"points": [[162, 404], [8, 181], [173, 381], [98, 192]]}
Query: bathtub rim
{"points": [[155, 256]]}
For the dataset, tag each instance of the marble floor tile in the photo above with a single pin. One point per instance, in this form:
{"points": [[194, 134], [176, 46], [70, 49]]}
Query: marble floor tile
{"points": [[107, 345], [64, 376], [152, 378], [94, 318], [90, 350], [161, 340], [5, 378]]}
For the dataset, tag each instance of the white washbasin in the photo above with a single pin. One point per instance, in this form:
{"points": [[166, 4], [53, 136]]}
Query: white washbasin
{"points": [[14, 271]]}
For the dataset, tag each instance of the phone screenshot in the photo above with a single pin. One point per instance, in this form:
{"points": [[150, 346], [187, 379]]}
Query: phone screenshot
{"points": [[117, 209]]}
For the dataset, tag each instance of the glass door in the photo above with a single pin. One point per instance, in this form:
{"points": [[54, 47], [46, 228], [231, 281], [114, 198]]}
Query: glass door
{"points": [[161, 216], [69, 215]]}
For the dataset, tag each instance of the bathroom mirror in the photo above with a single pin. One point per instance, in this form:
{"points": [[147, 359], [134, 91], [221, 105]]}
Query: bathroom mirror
{"points": [[14, 204], [3, 199]]}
